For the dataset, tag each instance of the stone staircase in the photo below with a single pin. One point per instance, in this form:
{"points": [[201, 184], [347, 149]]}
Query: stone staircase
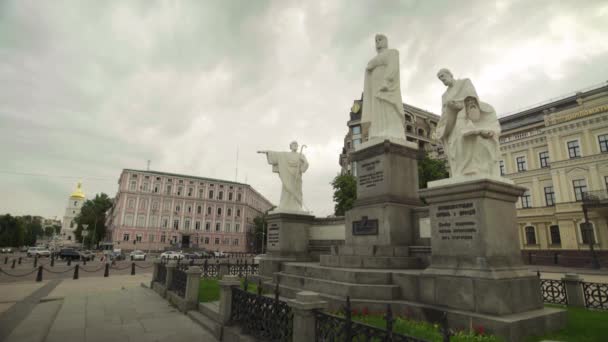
{"points": [[339, 282]]}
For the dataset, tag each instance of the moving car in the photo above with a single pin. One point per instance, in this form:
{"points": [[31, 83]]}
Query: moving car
{"points": [[7, 250], [38, 251], [138, 255], [69, 254], [171, 255], [87, 255]]}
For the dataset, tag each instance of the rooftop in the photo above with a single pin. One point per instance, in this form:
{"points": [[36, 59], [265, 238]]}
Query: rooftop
{"points": [[160, 173]]}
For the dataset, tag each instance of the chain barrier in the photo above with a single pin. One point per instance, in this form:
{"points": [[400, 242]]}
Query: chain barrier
{"points": [[119, 269], [93, 271], [139, 266], [18, 275], [59, 272]]}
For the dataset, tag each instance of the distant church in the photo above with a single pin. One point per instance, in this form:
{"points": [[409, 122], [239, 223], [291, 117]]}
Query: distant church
{"points": [[75, 203]]}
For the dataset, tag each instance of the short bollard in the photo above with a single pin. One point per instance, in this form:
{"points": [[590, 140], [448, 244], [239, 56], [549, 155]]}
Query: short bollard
{"points": [[52, 260], [19, 261], [5, 260], [84, 261], [13, 265], [76, 272], [132, 268], [39, 275], [106, 273], [35, 261]]}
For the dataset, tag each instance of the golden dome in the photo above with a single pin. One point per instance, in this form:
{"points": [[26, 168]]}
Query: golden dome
{"points": [[78, 192]]}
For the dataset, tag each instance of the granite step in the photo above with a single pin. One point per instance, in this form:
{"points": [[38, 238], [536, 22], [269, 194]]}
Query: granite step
{"points": [[345, 275], [206, 323], [370, 262], [343, 289]]}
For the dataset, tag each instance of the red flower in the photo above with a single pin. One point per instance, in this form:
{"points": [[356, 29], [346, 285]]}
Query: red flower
{"points": [[365, 311], [479, 330], [355, 312]]}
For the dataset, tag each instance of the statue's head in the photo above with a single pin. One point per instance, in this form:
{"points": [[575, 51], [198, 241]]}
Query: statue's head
{"points": [[445, 76], [381, 42], [293, 146]]}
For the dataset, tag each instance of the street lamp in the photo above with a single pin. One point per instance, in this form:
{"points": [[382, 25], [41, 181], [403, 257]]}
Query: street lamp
{"points": [[588, 231], [84, 233]]}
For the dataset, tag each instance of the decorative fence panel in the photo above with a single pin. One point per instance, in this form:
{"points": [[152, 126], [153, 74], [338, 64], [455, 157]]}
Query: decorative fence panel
{"points": [[265, 318], [161, 274], [553, 291], [178, 282], [596, 295]]}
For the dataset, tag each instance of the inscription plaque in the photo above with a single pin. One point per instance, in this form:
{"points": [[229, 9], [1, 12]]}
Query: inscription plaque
{"points": [[371, 173], [365, 227], [273, 234], [457, 221]]}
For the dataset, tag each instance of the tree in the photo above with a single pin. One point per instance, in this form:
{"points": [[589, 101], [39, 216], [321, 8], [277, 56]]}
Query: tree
{"points": [[259, 232], [32, 229], [57, 229], [430, 169], [345, 193], [11, 231], [92, 214]]}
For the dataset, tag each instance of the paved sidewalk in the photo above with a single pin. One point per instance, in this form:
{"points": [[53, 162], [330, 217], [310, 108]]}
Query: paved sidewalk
{"points": [[111, 309]]}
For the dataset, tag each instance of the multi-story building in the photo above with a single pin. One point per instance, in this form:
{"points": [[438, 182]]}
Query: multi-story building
{"points": [[419, 127], [559, 152], [75, 202], [157, 210]]}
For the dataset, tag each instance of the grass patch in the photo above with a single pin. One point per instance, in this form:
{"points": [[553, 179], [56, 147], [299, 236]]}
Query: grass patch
{"points": [[209, 289], [583, 326]]}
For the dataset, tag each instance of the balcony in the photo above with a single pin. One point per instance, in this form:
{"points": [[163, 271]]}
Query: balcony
{"points": [[596, 201]]}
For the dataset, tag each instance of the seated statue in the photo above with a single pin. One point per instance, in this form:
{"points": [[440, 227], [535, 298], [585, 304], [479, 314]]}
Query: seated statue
{"points": [[468, 130]]}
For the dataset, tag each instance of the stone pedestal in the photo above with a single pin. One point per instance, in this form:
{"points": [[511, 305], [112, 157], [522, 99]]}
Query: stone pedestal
{"points": [[193, 275], [226, 285], [303, 315], [286, 240], [476, 262], [574, 289], [380, 227], [171, 266]]}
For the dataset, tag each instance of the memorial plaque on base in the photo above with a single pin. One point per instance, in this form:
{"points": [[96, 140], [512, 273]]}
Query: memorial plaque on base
{"points": [[365, 227]]}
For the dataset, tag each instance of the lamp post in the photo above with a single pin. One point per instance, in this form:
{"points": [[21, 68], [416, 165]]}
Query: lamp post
{"points": [[85, 233], [588, 231]]}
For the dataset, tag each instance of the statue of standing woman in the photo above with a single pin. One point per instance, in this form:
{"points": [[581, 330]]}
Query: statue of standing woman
{"points": [[382, 104], [468, 130], [290, 166]]}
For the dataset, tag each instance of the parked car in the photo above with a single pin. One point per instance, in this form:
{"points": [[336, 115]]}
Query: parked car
{"points": [[23, 249], [171, 255], [116, 254], [87, 255], [69, 254], [219, 254], [138, 255], [38, 251], [7, 250]]}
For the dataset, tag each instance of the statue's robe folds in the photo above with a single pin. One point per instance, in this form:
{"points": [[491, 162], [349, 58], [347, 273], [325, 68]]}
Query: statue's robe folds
{"points": [[383, 109], [289, 166], [468, 152]]}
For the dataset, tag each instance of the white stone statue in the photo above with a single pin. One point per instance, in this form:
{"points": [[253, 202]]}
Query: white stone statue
{"points": [[468, 130], [290, 166], [382, 104]]}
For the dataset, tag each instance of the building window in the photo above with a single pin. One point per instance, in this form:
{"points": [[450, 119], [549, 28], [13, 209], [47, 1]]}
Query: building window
{"points": [[235, 242], [230, 196], [168, 190], [179, 190], [587, 235], [201, 193], [526, 201], [218, 227], [197, 225], [530, 236], [131, 203], [501, 165], [156, 187], [238, 197], [574, 149], [76, 203], [521, 164], [226, 241], [167, 205], [217, 241], [543, 157], [549, 196], [206, 241], [190, 191], [229, 212], [199, 209], [176, 224], [187, 224], [141, 221], [129, 220], [165, 222], [152, 222], [357, 129], [219, 211], [210, 194], [125, 237], [163, 238], [220, 195], [145, 187], [133, 186], [580, 187], [177, 208], [138, 237], [151, 238], [227, 227], [209, 209], [556, 239], [189, 209], [237, 227], [207, 226], [155, 205], [238, 213], [603, 141], [356, 142], [408, 128], [143, 204]]}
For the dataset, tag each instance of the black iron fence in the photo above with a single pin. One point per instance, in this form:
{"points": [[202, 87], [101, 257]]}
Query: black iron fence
{"points": [[243, 269], [596, 295], [330, 327], [179, 280], [161, 274], [553, 291], [265, 318]]}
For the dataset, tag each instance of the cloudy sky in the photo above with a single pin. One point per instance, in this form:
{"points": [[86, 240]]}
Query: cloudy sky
{"points": [[88, 88]]}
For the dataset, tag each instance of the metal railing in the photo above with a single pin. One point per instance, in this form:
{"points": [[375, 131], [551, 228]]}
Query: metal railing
{"points": [[265, 318], [330, 327], [596, 295], [553, 291], [595, 197], [161, 274], [179, 281]]}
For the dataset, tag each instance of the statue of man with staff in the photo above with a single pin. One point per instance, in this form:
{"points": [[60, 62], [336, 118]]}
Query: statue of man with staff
{"points": [[290, 166]]}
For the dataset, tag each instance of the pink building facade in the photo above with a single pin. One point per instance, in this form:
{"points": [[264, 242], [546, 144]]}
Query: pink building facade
{"points": [[156, 210]]}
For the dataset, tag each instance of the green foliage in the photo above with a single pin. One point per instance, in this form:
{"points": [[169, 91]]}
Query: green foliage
{"points": [[11, 231], [583, 326], [208, 290], [345, 193], [93, 214], [431, 169]]}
